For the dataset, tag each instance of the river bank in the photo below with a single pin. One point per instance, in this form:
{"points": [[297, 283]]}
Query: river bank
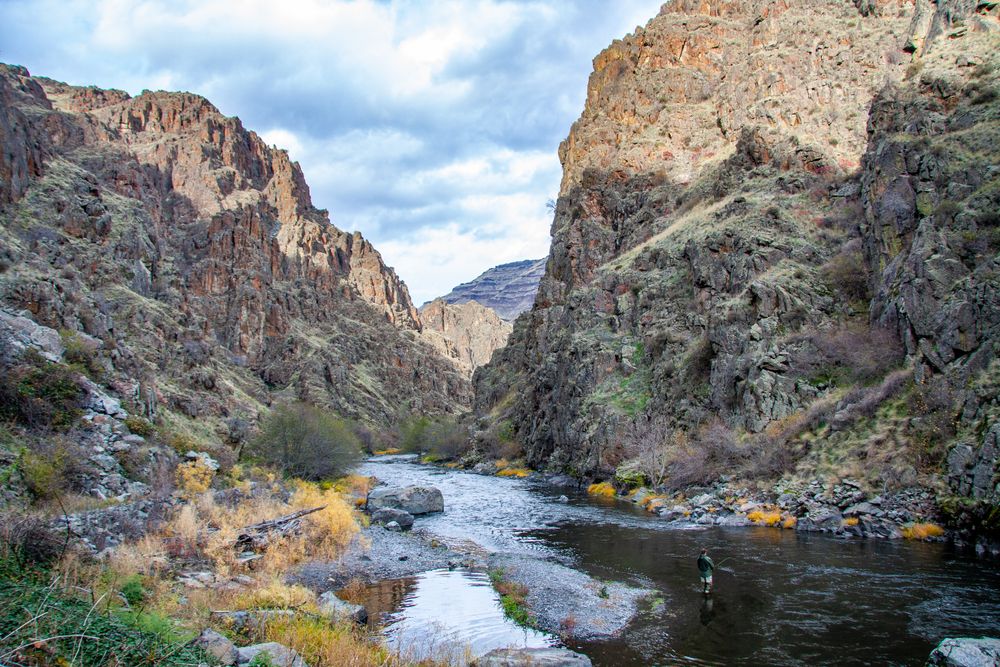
{"points": [[782, 597]]}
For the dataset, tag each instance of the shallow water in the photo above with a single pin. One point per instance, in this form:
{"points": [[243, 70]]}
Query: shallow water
{"points": [[447, 614], [781, 597]]}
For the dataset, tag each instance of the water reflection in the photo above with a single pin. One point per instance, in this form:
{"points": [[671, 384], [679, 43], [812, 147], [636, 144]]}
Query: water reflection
{"points": [[446, 615]]}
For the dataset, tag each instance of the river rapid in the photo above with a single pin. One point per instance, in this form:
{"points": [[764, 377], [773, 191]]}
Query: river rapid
{"points": [[781, 597]]}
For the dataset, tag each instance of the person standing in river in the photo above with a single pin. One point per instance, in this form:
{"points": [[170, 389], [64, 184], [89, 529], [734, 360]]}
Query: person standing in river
{"points": [[705, 568]]}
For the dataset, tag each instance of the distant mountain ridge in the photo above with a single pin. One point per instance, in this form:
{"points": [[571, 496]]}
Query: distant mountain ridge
{"points": [[509, 289]]}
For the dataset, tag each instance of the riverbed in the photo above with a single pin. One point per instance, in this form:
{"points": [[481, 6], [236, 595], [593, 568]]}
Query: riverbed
{"points": [[781, 597]]}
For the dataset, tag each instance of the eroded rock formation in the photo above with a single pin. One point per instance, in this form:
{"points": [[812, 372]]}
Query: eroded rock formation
{"points": [[193, 252], [466, 332], [509, 289], [774, 251]]}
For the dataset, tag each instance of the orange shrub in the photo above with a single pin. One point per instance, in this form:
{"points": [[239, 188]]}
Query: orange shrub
{"points": [[514, 472], [765, 518], [602, 490], [852, 521], [922, 531]]}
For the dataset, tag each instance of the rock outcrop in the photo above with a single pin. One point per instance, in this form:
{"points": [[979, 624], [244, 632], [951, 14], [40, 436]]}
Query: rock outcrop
{"points": [[468, 333], [509, 289], [774, 249], [191, 250]]}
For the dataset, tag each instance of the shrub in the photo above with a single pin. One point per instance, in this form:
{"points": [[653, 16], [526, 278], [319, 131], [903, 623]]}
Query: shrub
{"points": [[28, 540], [140, 426], [601, 490], [133, 591], [765, 518], [40, 394], [514, 472], [845, 272], [81, 353], [847, 354], [922, 531], [193, 478], [306, 442]]}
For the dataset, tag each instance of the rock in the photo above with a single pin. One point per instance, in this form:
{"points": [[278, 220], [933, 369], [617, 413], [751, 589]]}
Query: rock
{"points": [[204, 458], [394, 527], [23, 332], [468, 333], [861, 508], [508, 289], [338, 609], [966, 652], [533, 657], [279, 654], [413, 499], [387, 515], [217, 646]]}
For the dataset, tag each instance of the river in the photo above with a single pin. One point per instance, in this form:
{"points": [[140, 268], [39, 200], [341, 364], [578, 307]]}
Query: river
{"points": [[781, 597]]}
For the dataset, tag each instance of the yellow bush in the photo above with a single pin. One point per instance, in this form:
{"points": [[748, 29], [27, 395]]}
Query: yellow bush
{"points": [[851, 521], [501, 464], [789, 522], [601, 489], [763, 518], [922, 531], [387, 451], [273, 593], [193, 478], [514, 472]]}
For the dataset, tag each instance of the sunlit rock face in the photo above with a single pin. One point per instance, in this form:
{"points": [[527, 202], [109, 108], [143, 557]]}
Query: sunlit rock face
{"points": [[758, 193], [468, 333], [193, 250]]}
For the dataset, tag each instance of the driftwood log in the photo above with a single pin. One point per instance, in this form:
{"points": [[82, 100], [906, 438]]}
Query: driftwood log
{"points": [[259, 535]]}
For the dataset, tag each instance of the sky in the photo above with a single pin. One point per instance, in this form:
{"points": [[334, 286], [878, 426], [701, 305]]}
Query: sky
{"points": [[432, 126]]}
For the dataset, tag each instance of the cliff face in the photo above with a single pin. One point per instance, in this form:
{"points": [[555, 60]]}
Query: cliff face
{"points": [[191, 250], [774, 252], [509, 289], [468, 333]]}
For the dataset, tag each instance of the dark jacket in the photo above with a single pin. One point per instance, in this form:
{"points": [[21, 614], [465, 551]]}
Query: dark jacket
{"points": [[705, 565]]}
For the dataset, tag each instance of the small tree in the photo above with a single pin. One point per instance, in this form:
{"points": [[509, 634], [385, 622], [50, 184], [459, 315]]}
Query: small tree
{"points": [[307, 442]]}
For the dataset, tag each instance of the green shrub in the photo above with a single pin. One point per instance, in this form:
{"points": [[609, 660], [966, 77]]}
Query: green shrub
{"points": [[133, 591], [307, 442], [81, 353], [140, 426]]}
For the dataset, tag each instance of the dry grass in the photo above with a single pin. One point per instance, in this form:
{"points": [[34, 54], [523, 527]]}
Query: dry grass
{"points": [[648, 501], [789, 522], [193, 478], [514, 472], [324, 645], [922, 531], [850, 521], [601, 490], [387, 452]]}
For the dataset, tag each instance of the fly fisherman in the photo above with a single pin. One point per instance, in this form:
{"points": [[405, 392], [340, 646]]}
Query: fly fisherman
{"points": [[705, 569]]}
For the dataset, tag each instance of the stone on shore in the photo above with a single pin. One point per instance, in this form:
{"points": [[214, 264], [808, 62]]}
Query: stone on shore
{"points": [[387, 515], [412, 499], [536, 657], [338, 609], [279, 654], [966, 652]]}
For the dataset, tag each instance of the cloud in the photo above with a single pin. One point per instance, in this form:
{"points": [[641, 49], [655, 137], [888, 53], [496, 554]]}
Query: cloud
{"points": [[430, 126]]}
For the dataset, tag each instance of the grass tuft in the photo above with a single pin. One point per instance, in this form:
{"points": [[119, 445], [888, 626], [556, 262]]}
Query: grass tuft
{"points": [[601, 490]]}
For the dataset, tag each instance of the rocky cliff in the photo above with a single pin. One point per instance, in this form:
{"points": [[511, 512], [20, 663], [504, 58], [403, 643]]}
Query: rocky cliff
{"points": [[468, 333], [190, 252], [509, 289], [774, 253]]}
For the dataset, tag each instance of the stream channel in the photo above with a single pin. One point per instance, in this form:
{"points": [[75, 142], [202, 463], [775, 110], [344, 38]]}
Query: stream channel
{"points": [[781, 597]]}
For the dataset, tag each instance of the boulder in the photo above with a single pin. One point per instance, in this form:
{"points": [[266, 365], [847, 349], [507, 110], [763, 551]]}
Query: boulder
{"points": [[279, 654], [412, 499], [387, 515], [966, 652], [338, 609], [217, 646], [536, 657]]}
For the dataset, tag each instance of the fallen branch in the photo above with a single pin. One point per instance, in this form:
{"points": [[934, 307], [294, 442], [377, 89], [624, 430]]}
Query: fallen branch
{"points": [[257, 536]]}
